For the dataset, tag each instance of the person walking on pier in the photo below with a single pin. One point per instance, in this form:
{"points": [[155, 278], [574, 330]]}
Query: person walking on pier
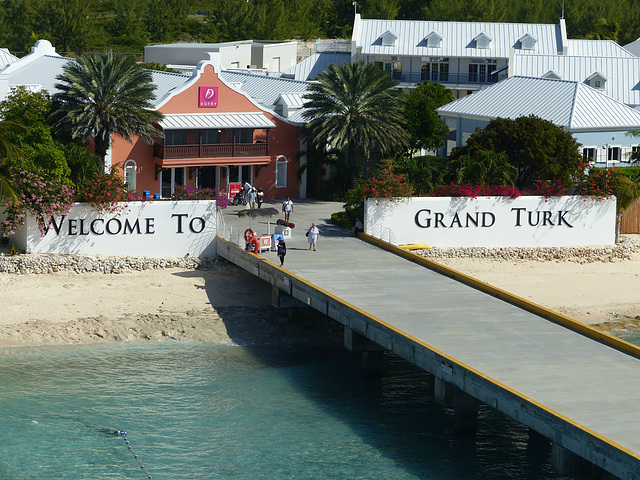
{"points": [[282, 250], [287, 209], [312, 236]]}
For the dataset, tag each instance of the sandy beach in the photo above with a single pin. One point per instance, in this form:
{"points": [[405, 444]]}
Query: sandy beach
{"points": [[227, 305]]}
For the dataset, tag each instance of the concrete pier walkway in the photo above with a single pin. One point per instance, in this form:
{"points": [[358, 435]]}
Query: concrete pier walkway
{"points": [[583, 394]]}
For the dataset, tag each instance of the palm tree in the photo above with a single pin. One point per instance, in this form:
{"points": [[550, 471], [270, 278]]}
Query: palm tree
{"points": [[101, 94], [7, 150], [355, 107]]}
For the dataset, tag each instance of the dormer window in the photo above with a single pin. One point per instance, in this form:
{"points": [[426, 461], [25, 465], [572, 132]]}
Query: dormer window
{"points": [[482, 40], [597, 80], [527, 42], [388, 38], [552, 75], [433, 40]]}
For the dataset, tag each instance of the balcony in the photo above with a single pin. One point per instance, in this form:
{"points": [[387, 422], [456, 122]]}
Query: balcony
{"points": [[221, 150], [447, 79]]}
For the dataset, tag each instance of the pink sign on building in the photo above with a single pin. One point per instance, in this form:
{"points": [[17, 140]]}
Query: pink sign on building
{"points": [[208, 97]]}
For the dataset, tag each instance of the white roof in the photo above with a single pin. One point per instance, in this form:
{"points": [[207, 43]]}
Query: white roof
{"points": [[623, 73], [215, 120], [292, 100], [39, 69], [457, 38], [265, 90], [317, 63], [6, 58], [633, 47], [596, 48], [568, 104]]}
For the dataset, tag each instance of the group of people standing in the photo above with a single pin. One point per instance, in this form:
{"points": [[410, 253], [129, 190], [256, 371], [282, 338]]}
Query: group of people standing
{"points": [[253, 195]]}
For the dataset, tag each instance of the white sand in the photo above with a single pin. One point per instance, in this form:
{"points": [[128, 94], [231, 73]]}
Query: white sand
{"points": [[225, 304]]}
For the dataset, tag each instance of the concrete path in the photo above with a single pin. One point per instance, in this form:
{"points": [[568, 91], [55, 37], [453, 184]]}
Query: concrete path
{"points": [[591, 384]]}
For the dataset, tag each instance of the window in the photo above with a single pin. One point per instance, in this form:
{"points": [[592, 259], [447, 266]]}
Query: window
{"points": [[243, 135], [482, 40], [175, 137], [130, 174], [433, 40], [614, 154], [388, 38], [436, 70], [635, 153], [281, 171], [240, 174], [480, 72], [209, 137], [394, 69], [589, 153], [170, 179]]}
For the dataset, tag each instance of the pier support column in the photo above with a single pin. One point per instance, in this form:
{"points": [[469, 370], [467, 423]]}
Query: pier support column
{"points": [[280, 299], [465, 407], [372, 353], [568, 464]]}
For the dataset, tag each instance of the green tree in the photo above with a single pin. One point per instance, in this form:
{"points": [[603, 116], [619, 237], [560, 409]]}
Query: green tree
{"points": [[19, 20], [126, 26], [426, 129], [67, 23], [7, 150], [38, 151], [384, 9], [355, 108], [539, 149], [163, 19], [426, 174], [228, 20], [102, 94], [482, 167]]}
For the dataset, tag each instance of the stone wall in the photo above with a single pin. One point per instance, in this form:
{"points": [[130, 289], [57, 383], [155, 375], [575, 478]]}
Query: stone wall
{"points": [[38, 264], [624, 250]]}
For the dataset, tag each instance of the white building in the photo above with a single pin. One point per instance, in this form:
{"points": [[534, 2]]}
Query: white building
{"points": [[597, 121], [601, 64], [270, 57], [463, 56]]}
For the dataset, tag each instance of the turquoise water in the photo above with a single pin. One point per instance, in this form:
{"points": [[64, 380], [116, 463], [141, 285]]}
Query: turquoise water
{"points": [[194, 411]]}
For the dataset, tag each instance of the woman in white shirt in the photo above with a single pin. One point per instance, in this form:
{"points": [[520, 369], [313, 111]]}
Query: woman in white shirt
{"points": [[312, 236]]}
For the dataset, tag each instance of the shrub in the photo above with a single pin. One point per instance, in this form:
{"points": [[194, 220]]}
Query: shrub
{"points": [[38, 197], [183, 192], [103, 191], [341, 219], [474, 191]]}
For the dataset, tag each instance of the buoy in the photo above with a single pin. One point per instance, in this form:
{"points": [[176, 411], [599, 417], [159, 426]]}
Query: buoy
{"points": [[248, 233]]}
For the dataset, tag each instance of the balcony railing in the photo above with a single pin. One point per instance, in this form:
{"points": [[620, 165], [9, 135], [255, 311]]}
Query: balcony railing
{"points": [[211, 151], [446, 78]]}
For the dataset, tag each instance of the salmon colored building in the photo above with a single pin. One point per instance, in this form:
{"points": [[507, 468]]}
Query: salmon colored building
{"points": [[215, 136], [221, 127]]}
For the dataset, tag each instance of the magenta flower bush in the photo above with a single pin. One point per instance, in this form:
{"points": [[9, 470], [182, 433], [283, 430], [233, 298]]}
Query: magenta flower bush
{"points": [[38, 197], [475, 191], [105, 192], [187, 192]]}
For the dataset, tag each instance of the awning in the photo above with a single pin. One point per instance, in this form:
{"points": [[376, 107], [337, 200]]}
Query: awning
{"points": [[186, 121]]}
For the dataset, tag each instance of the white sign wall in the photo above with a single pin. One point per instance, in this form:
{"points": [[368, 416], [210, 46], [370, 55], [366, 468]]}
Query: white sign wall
{"points": [[153, 229], [493, 221]]}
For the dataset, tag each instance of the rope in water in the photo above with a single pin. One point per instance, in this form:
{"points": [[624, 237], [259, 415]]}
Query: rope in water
{"points": [[124, 436]]}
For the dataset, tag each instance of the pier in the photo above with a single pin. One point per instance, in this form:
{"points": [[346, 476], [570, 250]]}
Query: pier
{"points": [[570, 383]]}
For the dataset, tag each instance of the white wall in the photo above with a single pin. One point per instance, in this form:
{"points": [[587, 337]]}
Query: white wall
{"points": [[501, 221], [150, 229]]}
